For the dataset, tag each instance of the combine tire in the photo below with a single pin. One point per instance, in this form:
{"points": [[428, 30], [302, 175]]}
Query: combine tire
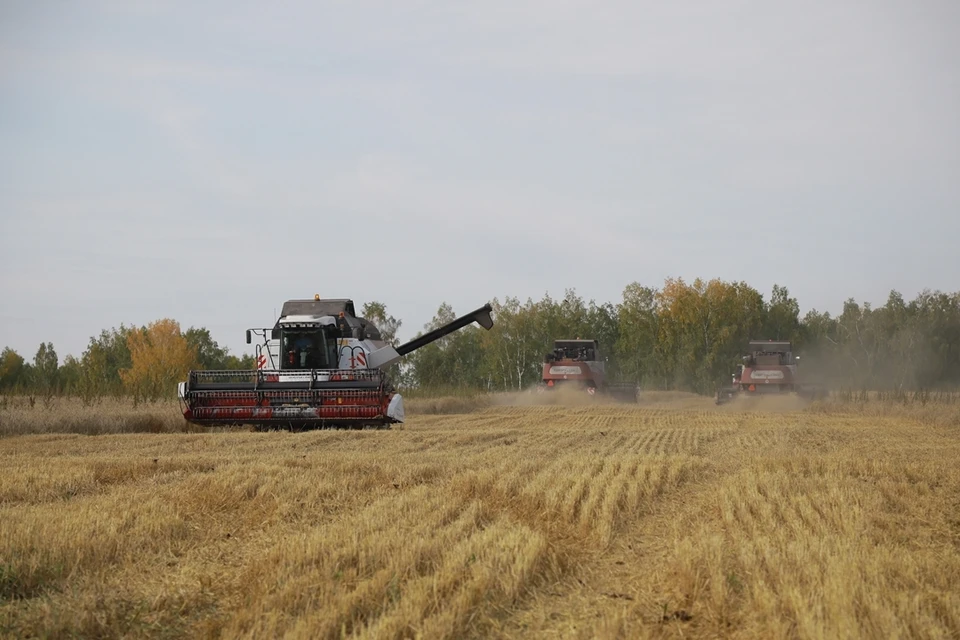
{"points": [[725, 395]]}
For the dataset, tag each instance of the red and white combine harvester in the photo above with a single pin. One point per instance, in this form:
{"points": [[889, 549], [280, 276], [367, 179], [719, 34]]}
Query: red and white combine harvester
{"points": [[769, 369], [578, 364], [319, 366]]}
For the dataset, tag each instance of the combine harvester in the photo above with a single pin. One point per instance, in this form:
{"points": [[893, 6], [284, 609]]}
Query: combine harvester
{"points": [[578, 364], [319, 366], [770, 369]]}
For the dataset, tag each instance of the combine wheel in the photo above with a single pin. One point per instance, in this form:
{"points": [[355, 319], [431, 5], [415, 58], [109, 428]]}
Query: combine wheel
{"points": [[725, 395]]}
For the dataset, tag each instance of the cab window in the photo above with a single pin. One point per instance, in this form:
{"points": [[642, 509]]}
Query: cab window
{"points": [[304, 349]]}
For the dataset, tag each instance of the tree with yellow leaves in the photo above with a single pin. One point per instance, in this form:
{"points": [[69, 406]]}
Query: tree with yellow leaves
{"points": [[160, 357], [703, 326]]}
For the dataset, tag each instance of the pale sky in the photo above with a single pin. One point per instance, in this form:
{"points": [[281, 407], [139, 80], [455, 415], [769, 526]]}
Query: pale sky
{"points": [[207, 161]]}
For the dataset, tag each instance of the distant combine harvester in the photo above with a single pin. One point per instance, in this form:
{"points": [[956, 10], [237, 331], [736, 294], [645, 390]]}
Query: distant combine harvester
{"points": [[770, 368]]}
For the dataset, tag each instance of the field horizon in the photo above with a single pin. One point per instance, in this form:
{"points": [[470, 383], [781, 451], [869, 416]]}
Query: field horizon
{"points": [[498, 518]]}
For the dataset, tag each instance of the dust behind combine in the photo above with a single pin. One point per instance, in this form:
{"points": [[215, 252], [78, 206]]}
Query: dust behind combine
{"points": [[579, 518]]}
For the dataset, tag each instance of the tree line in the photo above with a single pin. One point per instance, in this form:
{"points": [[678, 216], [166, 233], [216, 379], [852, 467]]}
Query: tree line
{"points": [[143, 362], [684, 336], [690, 336]]}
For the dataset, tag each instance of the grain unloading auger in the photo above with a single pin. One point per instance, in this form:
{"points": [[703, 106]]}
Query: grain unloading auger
{"points": [[319, 366]]}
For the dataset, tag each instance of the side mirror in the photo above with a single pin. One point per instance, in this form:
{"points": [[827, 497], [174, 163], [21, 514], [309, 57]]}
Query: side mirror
{"points": [[248, 336], [274, 334]]}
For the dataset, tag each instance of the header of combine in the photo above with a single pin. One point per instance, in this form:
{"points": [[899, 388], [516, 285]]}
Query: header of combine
{"points": [[319, 365]]}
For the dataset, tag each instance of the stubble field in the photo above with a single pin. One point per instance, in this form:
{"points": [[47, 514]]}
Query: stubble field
{"points": [[672, 519]]}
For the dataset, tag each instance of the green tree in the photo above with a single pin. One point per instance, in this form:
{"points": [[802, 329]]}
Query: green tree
{"points": [[102, 361], [574, 317], [241, 363], [428, 365], [938, 318], [210, 355], [821, 353], [783, 316], [11, 369], [45, 366], [638, 329], [516, 343], [387, 325], [703, 327], [376, 312], [605, 329], [70, 375], [861, 343]]}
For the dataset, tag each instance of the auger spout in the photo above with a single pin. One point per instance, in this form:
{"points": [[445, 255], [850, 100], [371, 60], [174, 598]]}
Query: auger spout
{"points": [[386, 356]]}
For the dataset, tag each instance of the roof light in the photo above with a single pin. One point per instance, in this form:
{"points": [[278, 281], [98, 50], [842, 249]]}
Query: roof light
{"points": [[316, 296]]}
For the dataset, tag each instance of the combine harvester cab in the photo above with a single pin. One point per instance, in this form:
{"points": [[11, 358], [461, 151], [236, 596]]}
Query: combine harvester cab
{"points": [[319, 366], [769, 369], [579, 364]]}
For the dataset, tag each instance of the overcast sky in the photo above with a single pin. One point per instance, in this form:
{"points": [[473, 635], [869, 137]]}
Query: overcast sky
{"points": [[207, 161]]}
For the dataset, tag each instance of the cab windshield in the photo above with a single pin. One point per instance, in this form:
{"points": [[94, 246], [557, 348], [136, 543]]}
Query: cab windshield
{"points": [[307, 348]]}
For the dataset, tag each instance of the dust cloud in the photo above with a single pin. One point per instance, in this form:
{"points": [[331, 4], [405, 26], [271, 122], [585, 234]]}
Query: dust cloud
{"points": [[770, 403], [675, 400]]}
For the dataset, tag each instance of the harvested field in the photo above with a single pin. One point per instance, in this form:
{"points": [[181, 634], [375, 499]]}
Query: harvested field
{"points": [[669, 519]]}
